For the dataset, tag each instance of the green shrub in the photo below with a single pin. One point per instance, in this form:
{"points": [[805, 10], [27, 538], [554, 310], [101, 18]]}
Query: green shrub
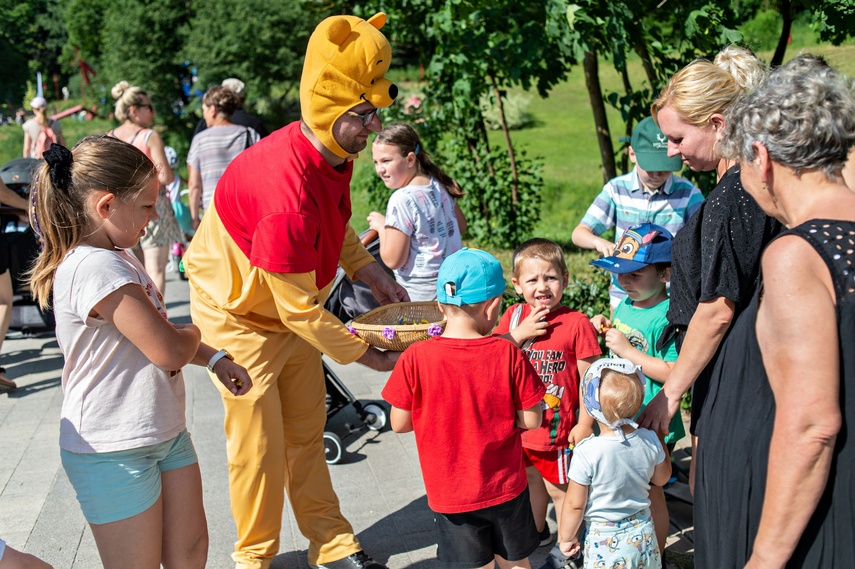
{"points": [[516, 107], [590, 297]]}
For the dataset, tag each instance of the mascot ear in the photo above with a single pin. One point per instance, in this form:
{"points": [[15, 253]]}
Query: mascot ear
{"points": [[338, 31], [378, 20]]}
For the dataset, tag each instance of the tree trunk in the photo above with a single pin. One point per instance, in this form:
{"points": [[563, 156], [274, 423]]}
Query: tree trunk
{"points": [[627, 87], [507, 132], [595, 95], [787, 13], [644, 54]]}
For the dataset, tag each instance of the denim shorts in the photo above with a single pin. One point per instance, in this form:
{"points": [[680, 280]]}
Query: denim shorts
{"points": [[113, 486]]}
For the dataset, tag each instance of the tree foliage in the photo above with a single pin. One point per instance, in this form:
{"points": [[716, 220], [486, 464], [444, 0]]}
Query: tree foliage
{"points": [[141, 44], [261, 41]]}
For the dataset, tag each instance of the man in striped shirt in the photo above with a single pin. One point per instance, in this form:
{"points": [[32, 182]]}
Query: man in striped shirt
{"points": [[650, 193]]}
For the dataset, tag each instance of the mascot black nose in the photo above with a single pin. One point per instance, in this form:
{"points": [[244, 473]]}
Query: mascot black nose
{"points": [[393, 91]]}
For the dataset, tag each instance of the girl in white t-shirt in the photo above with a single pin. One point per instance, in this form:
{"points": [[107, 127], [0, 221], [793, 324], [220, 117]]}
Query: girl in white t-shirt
{"points": [[610, 474], [123, 440], [423, 223]]}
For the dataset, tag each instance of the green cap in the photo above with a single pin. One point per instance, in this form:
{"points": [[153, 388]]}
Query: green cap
{"points": [[651, 148]]}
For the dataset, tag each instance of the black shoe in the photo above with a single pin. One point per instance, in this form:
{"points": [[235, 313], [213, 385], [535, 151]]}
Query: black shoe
{"points": [[359, 560], [545, 536]]}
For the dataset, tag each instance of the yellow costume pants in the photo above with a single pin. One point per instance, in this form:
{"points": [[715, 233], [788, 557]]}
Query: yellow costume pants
{"points": [[274, 441]]}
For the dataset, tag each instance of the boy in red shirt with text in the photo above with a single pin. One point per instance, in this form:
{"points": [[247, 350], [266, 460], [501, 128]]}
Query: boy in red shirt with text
{"points": [[466, 395], [561, 344]]}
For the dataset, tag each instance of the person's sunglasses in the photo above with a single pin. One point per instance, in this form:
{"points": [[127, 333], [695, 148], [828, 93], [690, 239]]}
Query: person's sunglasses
{"points": [[366, 118], [146, 106]]}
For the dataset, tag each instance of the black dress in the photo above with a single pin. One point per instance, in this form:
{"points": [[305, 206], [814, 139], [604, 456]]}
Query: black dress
{"points": [[716, 254], [737, 423]]}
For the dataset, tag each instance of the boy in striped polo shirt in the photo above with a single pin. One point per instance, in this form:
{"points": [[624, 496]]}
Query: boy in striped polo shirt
{"points": [[650, 193]]}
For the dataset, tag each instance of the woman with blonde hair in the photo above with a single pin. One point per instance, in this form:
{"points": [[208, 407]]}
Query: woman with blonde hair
{"points": [[715, 258], [34, 126], [775, 486], [136, 113]]}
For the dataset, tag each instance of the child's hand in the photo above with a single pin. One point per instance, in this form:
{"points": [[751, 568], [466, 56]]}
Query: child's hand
{"points": [[601, 323], [377, 221], [578, 434], [617, 342], [532, 326], [570, 548], [233, 376]]}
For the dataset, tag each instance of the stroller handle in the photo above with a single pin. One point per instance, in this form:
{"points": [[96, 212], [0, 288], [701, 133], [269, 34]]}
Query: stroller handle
{"points": [[369, 236]]}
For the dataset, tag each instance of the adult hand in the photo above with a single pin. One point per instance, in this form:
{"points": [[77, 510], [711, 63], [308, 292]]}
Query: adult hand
{"points": [[383, 287], [377, 221], [658, 413], [604, 247], [378, 360]]}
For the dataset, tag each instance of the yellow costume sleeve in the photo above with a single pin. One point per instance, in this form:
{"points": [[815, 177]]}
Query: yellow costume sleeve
{"points": [[300, 307], [353, 256]]}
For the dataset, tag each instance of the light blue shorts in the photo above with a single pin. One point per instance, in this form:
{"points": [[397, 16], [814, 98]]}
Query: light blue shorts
{"points": [[113, 486], [631, 542]]}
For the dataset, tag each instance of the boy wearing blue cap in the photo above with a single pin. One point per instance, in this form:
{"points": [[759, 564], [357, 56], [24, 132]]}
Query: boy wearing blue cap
{"points": [[466, 395], [642, 263], [650, 193]]}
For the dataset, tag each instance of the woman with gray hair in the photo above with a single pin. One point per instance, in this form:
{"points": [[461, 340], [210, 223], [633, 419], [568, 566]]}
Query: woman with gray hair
{"points": [[776, 484]]}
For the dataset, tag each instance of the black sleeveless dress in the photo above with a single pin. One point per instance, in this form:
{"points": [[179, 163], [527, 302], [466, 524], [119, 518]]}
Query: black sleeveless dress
{"points": [[737, 422]]}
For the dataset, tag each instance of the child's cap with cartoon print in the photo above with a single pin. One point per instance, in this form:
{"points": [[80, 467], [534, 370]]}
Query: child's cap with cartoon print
{"points": [[638, 247], [591, 389]]}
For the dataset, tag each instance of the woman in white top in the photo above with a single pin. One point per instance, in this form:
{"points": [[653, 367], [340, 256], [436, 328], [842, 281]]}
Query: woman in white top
{"points": [[34, 126], [423, 223]]}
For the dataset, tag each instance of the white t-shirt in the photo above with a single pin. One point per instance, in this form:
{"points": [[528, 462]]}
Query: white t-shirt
{"points": [[426, 215], [617, 473], [114, 397]]}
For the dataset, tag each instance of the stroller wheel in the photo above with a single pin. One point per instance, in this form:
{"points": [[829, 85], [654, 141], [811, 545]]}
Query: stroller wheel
{"points": [[332, 447], [375, 418]]}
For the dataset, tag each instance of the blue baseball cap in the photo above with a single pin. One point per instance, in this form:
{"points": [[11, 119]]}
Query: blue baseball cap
{"points": [[639, 246], [469, 276]]}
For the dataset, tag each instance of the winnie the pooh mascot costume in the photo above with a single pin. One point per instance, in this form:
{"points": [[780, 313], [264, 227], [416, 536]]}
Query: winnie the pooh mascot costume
{"points": [[260, 268]]}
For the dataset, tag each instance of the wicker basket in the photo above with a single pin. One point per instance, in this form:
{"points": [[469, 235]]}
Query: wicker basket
{"points": [[377, 327]]}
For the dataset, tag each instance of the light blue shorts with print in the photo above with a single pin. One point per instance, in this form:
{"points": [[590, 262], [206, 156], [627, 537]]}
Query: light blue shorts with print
{"points": [[631, 542], [113, 486]]}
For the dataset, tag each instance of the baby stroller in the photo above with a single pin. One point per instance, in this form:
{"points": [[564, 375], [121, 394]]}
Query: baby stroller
{"points": [[346, 416], [22, 246]]}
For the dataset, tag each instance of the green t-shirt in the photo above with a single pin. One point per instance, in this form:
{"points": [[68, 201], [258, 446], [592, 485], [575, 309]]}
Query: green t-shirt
{"points": [[643, 326]]}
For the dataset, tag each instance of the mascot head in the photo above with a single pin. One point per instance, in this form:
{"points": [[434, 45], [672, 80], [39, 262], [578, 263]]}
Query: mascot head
{"points": [[345, 62]]}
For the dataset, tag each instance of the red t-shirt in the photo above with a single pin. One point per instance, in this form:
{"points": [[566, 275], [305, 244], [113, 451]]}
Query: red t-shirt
{"points": [[570, 337], [464, 396], [285, 206]]}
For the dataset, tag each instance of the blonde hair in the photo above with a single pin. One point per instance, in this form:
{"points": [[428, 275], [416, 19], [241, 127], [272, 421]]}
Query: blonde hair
{"points": [[621, 395], [702, 89], [539, 248], [41, 117], [60, 213], [126, 97]]}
